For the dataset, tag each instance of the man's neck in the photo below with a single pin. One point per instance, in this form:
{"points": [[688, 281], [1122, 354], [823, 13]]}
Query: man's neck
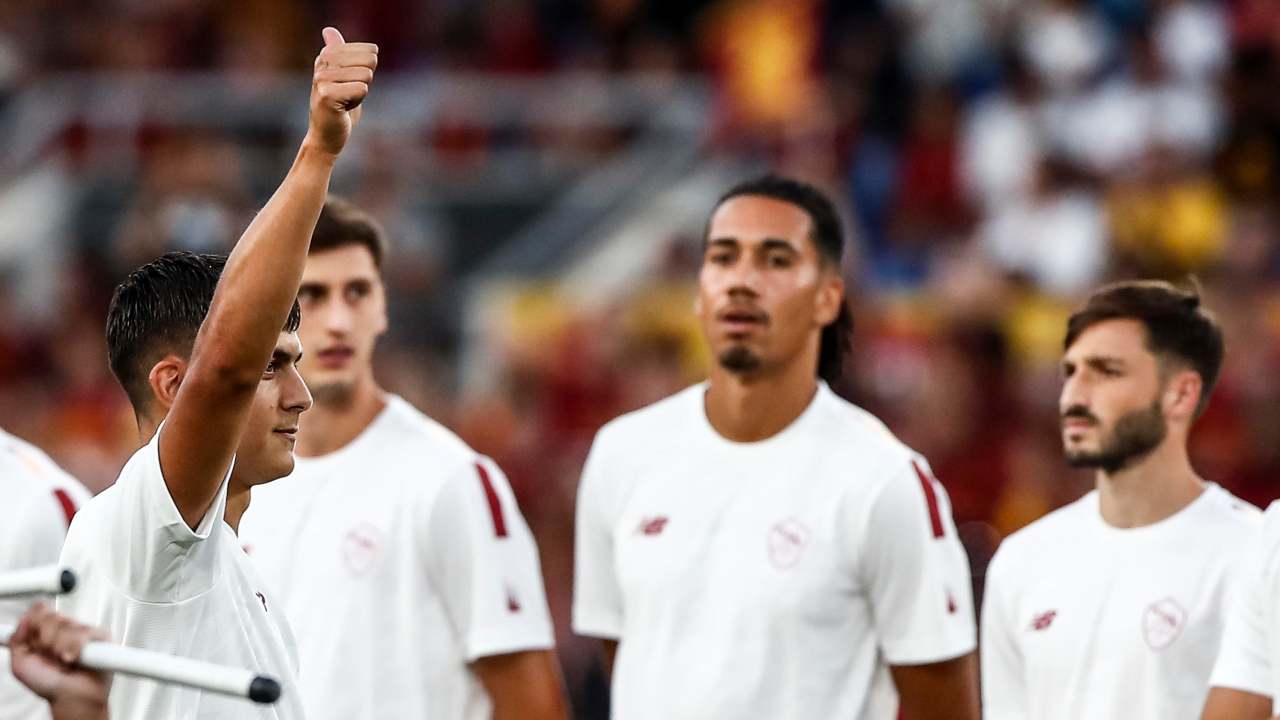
{"points": [[328, 427], [1154, 488], [238, 497], [751, 409]]}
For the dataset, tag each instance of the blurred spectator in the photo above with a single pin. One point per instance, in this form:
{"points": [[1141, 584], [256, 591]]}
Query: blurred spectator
{"points": [[1055, 235]]}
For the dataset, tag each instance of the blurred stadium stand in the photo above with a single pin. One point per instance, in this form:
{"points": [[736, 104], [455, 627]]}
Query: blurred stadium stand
{"points": [[545, 167]]}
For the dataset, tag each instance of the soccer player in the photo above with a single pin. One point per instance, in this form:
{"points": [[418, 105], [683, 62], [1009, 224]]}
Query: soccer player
{"points": [[1246, 677], [200, 350], [45, 646], [37, 501], [1111, 608], [755, 546], [405, 568]]}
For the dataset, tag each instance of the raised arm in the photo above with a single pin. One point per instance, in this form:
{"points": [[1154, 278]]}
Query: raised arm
{"points": [[257, 290]]}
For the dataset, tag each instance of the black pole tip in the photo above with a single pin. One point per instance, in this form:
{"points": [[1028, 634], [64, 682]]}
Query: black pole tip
{"points": [[67, 581], [264, 690]]}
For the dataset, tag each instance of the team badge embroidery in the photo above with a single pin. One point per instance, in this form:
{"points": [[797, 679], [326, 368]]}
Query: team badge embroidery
{"points": [[787, 542], [652, 525], [1162, 623], [1043, 620], [361, 548]]}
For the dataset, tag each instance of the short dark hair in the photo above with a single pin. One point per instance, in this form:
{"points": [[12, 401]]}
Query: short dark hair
{"points": [[828, 238], [343, 223], [157, 310], [1177, 325]]}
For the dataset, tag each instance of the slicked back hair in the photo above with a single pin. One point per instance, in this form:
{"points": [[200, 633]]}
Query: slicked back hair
{"points": [[343, 223], [157, 311], [1178, 327], [828, 238]]}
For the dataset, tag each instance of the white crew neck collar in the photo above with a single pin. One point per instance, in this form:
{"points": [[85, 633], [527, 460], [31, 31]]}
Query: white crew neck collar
{"points": [[698, 397]]}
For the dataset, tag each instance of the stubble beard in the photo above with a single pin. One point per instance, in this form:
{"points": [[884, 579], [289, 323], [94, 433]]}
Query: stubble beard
{"points": [[740, 360], [336, 395], [1136, 434]]}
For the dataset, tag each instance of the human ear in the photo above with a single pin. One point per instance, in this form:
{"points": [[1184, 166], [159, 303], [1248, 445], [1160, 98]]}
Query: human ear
{"points": [[830, 298], [165, 378]]}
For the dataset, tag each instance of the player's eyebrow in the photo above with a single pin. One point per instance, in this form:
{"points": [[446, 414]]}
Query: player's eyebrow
{"points": [[281, 356], [360, 284], [723, 241], [779, 244], [1104, 362]]}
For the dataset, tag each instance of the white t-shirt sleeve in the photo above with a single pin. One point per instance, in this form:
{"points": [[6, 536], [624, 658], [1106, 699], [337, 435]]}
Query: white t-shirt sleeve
{"points": [[597, 599], [156, 557], [36, 536], [484, 560], [1244, 661], [35, 527], [914, 569], [1004, 691]]}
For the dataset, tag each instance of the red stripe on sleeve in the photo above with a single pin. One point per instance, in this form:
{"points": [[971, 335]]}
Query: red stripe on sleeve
{"points": [[931, 499], [68, 505], [495, 507]]}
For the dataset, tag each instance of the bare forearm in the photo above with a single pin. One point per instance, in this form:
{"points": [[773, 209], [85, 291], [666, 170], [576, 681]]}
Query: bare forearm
{"points": [[1231, 704], [257, 289], [62, 713], [264, 270], [523, 685], [610, 653], [946, 690], [551, 708]]}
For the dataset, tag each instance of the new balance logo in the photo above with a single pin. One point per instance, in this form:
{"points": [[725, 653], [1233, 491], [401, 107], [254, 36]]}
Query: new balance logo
{"points": [[1043, 620], [652, 525]]}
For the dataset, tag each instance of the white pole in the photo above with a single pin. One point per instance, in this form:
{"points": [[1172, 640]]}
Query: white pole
{"points": [[110, 657], [45, 580]]}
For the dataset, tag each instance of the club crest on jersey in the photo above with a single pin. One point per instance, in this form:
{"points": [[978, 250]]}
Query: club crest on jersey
{"points": [[1043, 620], [361, 548], [652, 525], [1162, 623], [787, 542]]}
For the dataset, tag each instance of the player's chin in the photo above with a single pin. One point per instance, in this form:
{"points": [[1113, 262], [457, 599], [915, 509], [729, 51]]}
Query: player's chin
{"points": [[1081, 458], [278, 464]]}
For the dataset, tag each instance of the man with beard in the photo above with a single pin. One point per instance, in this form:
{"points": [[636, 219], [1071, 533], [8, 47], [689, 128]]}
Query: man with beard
{"points": [[755, 546], [1112, 607]]}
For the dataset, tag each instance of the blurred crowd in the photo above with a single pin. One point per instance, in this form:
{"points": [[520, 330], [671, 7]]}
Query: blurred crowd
{"points": [[995, 159]]}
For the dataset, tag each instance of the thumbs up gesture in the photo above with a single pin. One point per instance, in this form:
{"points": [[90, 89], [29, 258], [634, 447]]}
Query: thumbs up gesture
{"points": [[343, 71]]}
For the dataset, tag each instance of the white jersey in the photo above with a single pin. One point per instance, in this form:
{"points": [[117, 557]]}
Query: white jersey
{"points": [[152, 582], [776, 579], [401, 558], [37, 501], [1084, 620], [1250, 656]]}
